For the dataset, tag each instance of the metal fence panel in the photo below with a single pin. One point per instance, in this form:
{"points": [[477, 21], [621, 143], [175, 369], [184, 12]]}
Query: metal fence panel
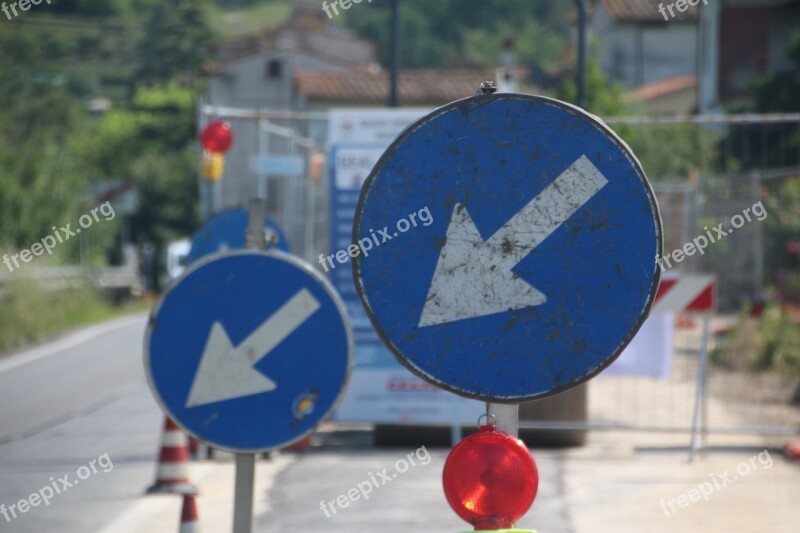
{"points": [[705, 171]]}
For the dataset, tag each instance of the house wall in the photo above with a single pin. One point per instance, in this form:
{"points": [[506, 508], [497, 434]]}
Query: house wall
{"points": [[681, 102], [638, 54], [753, 41], [743, 49], [246, 84]]}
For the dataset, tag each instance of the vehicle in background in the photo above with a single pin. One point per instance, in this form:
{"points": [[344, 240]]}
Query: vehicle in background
{"points": [[177, 257]]}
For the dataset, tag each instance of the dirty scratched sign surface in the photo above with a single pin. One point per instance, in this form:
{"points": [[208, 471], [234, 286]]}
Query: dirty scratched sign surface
{"points": [[249, 351], [539, 266]]}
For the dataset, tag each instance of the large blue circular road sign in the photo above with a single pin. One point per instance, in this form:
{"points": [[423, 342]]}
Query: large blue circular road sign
{"points": [[249, 350], [539, 264]]}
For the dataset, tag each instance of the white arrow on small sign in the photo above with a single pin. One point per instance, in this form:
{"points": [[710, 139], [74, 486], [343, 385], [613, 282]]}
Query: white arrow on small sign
{"points": [[473, 276], [226, 372]]}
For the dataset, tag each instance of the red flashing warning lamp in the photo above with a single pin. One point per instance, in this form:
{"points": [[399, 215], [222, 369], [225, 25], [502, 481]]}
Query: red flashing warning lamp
{"points": [[217, 137], [490, 479]]}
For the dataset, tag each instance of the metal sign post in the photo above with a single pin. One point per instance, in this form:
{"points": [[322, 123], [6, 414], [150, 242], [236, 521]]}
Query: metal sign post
{"points": [[537, 264], [506, 416], [244, 493], [244, 488], [256, 214], [701, 395], [227, 230], [255, 377]]}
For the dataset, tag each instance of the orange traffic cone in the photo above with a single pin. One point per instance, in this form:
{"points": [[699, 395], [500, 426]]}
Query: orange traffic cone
{"points": [[190, 523], [172, 474]]}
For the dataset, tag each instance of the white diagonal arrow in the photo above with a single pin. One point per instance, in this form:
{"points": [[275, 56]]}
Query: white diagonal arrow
{"points": [[226, 372], [473, 276]]}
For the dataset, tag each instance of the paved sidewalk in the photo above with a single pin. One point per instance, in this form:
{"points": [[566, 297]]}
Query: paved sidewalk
{"points": [[620, 483], [651, 487], [161, 513]]}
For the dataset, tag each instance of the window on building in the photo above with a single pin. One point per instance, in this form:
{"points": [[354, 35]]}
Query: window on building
{"points": [[274, 69]]}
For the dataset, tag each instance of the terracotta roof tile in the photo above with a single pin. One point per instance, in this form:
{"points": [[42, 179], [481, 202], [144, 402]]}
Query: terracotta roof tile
{"points": [[337, 46], [664, 87], [414, 86]]}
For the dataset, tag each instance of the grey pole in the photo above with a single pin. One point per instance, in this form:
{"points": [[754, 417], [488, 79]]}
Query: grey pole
{"points": [[758, 271], [700, 390], [580, 74], [243, 496], [263, 151], [246, 462], [506, 417], [395, 54], [202, 186], [455, 427], [256, 213]]}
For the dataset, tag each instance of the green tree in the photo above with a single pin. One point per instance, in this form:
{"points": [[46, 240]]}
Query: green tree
{"points": [[52, 149], [43, 180], [535, 44], [149, 143], [177, 42], [603, 98], [777, 147], [779, 90], [103, 8], [690, 149], [453, 33]]}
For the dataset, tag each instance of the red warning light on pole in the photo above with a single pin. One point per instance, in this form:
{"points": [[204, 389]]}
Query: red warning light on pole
{"points": [[490, 479], [217, 137]]}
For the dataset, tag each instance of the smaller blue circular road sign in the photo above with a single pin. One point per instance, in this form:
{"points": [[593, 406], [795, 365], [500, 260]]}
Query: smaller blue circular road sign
{"points": [[535, 263], [249, 350]]}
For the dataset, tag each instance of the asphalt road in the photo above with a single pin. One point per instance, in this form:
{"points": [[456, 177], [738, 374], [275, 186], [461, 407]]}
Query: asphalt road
{"points": [[84, 398], [64, 405], [412, 500]]}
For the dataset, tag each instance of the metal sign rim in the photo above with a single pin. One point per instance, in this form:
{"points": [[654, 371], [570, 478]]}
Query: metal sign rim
{"points": [[273, 254], [486, 99]]}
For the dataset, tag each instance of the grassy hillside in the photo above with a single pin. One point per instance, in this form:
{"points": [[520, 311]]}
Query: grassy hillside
{"points": [[229, 22]]}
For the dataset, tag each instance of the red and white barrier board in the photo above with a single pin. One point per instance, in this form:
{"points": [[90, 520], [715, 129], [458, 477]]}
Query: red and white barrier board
{"points": [[686, 293], [650, 351]]}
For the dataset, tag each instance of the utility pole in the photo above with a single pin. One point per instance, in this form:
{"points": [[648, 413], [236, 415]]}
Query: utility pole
{"points": [[580, 73], [394, 60]]}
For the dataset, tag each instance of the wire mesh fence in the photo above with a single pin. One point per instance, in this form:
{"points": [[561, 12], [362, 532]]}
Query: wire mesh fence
{"points": [[718, 182]]}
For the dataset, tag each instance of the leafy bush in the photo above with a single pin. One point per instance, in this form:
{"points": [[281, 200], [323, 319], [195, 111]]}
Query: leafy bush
{"points": [[779, 346], [28, 312]]}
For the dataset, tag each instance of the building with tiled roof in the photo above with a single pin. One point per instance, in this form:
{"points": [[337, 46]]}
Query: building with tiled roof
{"points": [[644, 42], [257, 70], [666, 87], [672, 96], [647, 10], [308, 64], [637, 46], [305, 36]]}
